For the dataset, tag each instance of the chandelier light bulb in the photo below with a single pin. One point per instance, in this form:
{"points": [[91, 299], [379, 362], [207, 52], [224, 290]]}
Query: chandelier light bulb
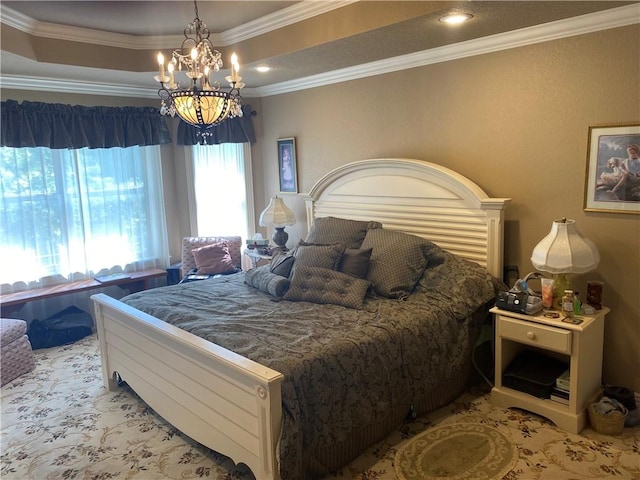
{"points": [[160, 65], [171, 67]]}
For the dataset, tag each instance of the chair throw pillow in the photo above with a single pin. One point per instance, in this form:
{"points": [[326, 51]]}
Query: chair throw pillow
{"points": [[213, 259], [267, 282], [325, 286]]}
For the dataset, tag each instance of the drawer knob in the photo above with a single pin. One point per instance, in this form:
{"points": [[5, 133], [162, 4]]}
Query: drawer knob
{"points": [[531, 335]]}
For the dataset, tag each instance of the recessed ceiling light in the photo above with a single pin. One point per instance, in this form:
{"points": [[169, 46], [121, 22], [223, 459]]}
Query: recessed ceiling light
{"points": [[263, 68], [456, 18]]}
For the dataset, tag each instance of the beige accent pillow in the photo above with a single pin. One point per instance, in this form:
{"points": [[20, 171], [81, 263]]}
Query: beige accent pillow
{"points": [[332, 230], [397, 261], [324, 256], [281, 264], [322, 285], [213, 259], [355, 262]]}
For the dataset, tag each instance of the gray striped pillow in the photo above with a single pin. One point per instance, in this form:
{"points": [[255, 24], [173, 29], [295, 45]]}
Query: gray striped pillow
{"points": [[262, 279]]}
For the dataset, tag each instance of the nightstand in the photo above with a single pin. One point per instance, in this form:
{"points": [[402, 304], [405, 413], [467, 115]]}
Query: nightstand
{"points": [[580, 346], [173, 273], [256, 257]]}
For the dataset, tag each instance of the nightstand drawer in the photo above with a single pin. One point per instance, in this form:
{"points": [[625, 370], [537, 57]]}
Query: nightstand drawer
{"points": [[549, 338]]}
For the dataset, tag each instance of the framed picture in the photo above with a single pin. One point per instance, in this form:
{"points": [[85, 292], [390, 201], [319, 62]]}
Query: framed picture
{"points": [[287, 168], [612, 182]]}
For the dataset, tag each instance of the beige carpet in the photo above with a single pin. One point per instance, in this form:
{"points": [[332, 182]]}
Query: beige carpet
{"points": [[58, 422]]}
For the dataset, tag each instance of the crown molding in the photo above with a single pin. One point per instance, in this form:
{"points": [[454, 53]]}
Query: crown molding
{"points": [[608, 19], [57, 85], [282, 18], [54, 31], [593, 22]]}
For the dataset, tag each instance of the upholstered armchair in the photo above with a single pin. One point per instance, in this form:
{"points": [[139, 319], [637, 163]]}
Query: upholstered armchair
{"points": [[189, 244]]}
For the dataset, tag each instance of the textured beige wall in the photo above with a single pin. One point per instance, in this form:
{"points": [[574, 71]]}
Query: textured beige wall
{"points": [[515, 122]]}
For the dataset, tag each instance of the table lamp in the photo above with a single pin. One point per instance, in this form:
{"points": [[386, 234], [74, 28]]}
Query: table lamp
{"points": [[564, 251], [278, 216]]}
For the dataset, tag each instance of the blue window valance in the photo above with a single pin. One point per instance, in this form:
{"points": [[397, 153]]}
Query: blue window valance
{"points": [[57, 126]]}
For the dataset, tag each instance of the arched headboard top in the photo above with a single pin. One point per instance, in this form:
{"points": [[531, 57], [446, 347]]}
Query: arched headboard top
{"points": [[416, 197]]}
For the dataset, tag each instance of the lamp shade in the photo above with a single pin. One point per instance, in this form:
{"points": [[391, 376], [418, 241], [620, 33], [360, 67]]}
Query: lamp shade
{"points": [[277, 214], [565, 250]]}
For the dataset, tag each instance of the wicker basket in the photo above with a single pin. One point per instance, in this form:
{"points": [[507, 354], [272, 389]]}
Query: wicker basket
{"points": [[611, 424]]}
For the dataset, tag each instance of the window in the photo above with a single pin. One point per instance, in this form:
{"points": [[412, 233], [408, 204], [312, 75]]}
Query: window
{"points": [[69, 214], [222, 199]]}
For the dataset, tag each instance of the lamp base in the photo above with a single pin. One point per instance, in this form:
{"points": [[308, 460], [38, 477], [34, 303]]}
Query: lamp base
{"points": [[561, 282], [280, 238]]}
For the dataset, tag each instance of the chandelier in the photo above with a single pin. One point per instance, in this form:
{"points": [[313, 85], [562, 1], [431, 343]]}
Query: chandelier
{"points": [[200, 102]]}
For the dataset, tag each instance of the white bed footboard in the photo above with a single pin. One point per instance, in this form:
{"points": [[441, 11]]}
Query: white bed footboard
{"points": [[220, 399]]}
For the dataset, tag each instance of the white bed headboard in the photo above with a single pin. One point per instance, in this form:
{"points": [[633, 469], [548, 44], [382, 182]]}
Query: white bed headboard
{"points": [[419, 198]]}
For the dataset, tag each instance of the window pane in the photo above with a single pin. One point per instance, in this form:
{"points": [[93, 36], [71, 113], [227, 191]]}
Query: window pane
{"points": [[220, 189], [77, 212]]}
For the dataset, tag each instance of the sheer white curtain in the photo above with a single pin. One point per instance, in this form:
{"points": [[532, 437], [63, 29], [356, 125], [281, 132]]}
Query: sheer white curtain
{"points": [[222, 193], [70, 214]]}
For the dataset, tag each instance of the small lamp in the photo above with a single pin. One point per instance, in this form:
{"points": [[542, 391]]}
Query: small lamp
{"points": [[278, 216], [564, 251]]}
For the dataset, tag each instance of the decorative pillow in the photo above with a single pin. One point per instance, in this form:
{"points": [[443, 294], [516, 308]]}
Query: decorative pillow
{"points": [[355, 262], [397, 261], [324, 256], [282, 263], [332, 230], [213, 259], [262, 279], [322, 285]]}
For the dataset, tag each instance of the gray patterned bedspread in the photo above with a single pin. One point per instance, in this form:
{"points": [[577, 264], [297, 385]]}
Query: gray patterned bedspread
{"points": [[343, 368]]}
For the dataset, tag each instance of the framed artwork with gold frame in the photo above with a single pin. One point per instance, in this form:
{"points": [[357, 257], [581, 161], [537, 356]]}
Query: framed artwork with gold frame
{"points": [[612, 182]]}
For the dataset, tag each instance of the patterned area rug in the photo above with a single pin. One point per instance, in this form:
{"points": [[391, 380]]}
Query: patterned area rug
{"points": [[59, 422], [456, 451]]}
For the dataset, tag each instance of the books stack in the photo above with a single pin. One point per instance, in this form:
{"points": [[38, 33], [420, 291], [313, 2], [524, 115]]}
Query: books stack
{"points": [[112, 277], [560, 392]]}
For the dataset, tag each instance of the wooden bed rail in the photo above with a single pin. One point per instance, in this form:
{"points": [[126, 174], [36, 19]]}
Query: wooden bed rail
{"points": [[215, 396]]}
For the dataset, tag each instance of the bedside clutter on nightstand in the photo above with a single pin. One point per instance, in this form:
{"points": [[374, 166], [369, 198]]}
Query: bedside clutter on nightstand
{"points": [[533, 352], [258, 256]]}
